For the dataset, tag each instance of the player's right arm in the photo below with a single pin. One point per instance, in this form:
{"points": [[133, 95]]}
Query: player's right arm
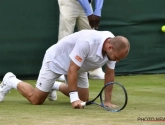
{"points": [[72, 85], [78, 55]]}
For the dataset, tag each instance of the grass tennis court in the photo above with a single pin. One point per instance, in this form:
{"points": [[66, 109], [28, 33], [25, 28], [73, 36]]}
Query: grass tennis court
{"points": [[146, 100]]}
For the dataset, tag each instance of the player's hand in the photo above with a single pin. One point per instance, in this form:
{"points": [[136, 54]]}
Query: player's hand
{"points": [[97, 21], [91, 19], [77, 104], [108, 104]]}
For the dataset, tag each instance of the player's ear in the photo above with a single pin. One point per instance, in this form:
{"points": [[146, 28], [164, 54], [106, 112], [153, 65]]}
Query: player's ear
{"points": [[110, 47]]}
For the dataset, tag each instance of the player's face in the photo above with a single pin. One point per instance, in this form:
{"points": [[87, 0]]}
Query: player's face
{"points": [[115, 56]]}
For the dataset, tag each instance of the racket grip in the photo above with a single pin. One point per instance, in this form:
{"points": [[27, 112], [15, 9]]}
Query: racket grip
{"points": [[83, 103]]}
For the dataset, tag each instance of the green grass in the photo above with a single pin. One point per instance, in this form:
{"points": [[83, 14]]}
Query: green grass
{"points": [[146, 98]]}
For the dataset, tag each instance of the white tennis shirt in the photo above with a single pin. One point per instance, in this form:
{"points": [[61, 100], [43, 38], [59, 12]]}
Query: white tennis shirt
{"points": [[84, 48]]}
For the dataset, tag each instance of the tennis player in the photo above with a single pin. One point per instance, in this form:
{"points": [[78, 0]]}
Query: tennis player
{"points": [[73, 56]]}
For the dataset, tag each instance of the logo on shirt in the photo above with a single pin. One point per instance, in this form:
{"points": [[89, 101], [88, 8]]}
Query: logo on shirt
{"points": [[78, 58]]}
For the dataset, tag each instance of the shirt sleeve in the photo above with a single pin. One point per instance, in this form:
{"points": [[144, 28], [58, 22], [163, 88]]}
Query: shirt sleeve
{"points": [[98, 7], [80, 52], [86, 6], [111, 64]]}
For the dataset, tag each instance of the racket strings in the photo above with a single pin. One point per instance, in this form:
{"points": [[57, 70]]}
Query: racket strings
{"points": [[117, 99]]}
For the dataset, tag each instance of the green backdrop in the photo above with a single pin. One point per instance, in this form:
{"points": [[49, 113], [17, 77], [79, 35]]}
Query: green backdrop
{"points": [[28, 28]]}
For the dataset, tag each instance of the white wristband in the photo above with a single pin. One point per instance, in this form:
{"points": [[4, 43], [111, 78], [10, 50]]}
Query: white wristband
{"points": [[73, 96]]}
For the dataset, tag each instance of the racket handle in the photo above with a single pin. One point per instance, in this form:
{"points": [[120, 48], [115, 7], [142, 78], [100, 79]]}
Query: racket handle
{"points": [[83, 103]]}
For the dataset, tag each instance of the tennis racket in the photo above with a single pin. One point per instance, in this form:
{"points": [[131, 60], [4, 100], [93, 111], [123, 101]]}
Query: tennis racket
{"points": [[118, 97]]}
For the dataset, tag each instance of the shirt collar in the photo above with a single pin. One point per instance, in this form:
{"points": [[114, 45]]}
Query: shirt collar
{"points": [[99, 50], [105, 35]]}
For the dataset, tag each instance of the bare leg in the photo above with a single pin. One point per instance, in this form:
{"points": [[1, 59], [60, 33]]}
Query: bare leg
{"points": [[64, 89], [34, 95], [83, 92]]}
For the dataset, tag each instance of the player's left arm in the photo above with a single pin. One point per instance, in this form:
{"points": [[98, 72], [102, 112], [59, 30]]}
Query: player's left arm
{"points": [[109, 77]]}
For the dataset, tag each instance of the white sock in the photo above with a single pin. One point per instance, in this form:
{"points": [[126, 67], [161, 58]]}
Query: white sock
{"points": [[56, 85], [14, 82]]}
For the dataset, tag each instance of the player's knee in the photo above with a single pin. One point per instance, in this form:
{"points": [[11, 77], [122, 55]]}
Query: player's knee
{"points": [[83, 94], [85, 98], [36, 102]]}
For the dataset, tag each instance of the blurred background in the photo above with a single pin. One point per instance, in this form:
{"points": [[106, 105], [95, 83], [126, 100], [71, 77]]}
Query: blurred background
{"points": [[28, 28]]}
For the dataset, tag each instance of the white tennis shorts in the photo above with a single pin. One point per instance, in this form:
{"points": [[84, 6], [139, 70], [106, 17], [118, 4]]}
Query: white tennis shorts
{"points": [[47, 78]]}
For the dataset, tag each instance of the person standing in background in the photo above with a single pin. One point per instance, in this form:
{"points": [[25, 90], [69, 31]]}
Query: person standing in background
{"points": [[79, 13]]}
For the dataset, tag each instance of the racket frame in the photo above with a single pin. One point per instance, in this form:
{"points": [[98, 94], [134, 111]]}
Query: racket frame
{"points": [[101, 100]]}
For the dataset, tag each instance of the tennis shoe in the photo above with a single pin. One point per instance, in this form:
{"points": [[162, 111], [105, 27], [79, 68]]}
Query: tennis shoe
{"points": [[98, 75], [5, 86], [52, 95], [61, 78]]}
